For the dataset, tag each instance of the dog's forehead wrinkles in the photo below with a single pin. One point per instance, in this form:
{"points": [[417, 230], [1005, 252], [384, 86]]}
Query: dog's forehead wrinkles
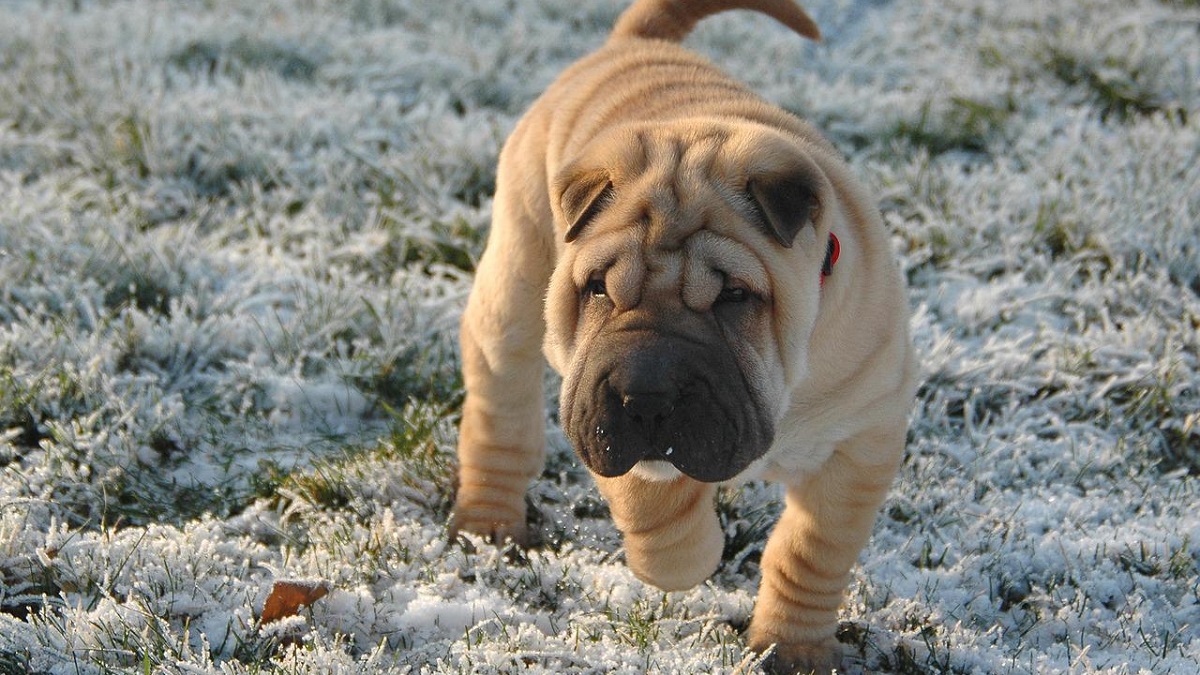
{"points": [[674, 198], [640, 156], [679, 185]]}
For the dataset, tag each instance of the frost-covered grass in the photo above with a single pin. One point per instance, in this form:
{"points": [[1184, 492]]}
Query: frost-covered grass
{"points": [[235, 237]]}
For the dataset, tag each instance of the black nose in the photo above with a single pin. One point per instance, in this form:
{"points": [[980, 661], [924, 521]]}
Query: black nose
{"points": [[648, 409]]}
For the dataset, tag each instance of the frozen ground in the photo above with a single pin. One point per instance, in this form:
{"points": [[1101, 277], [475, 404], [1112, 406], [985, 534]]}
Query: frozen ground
{"points": [[235, 236]]}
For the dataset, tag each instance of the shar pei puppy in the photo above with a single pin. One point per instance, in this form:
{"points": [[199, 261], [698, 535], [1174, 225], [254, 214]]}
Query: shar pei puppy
{"points": [[721, 299]]}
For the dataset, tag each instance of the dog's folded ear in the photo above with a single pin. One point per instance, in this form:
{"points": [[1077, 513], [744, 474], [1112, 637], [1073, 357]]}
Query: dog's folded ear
{"points": [[582, 195], [787, 200]]}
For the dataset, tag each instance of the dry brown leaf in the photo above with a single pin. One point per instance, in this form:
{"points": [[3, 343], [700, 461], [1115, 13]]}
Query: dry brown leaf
{"points": [[289, 595]]}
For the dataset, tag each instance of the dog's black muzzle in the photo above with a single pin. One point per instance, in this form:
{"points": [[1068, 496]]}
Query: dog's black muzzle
{"points": [[666, 398]]}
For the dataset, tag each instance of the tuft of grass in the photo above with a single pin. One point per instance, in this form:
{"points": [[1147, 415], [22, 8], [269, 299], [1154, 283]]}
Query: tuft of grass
{"points": [[15, 663], [415, 373], [20, 414], [336, 483], [921, 199], [455, 244], [380, 13], [965, 124], [746, 523], [216, 58], [907, 659], [1064, 237], [130, 140], [640, 626], [1164, 403], [428, 468], [931, 557], [1119, 89]]}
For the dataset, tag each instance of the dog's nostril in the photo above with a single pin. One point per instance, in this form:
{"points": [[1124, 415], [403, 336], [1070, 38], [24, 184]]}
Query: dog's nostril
{"points": [[649, 409]]}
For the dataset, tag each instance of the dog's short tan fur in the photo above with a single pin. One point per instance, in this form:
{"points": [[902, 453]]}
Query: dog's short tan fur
{"points": [[658, 236]]}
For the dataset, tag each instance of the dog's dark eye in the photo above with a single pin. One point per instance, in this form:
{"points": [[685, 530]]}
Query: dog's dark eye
{"points": [[732, 291], [595, 288], [733, 294]]}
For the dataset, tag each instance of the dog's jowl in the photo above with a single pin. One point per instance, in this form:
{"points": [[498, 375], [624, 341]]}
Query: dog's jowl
{"points": [[720, 298]]}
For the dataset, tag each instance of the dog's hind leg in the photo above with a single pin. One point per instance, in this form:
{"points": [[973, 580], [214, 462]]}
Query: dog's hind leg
{"points": [[807, 561]]}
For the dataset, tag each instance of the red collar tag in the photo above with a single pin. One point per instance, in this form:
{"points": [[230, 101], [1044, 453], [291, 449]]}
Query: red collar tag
{"points": [[832, 252]]}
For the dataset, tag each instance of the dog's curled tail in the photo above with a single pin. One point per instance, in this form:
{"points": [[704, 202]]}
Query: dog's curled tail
{"points": [[673, 19]]}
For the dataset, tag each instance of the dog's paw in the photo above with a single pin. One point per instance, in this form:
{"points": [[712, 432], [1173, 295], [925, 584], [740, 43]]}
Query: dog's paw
{"points": [[488, 526], [799, 659]]}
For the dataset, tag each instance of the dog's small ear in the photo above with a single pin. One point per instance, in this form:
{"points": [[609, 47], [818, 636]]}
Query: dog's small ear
{"points": [[786, 201], [583, 196]]}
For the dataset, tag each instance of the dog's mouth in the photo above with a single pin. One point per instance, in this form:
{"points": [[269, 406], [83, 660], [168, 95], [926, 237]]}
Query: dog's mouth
{"points": [[656, 471], [702, 450], [663, 406]]}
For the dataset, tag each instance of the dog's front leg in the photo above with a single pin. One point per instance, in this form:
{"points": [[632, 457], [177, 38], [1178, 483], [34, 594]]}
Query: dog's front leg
{"points": [[807, 560], [671, 533], [502, 436]]}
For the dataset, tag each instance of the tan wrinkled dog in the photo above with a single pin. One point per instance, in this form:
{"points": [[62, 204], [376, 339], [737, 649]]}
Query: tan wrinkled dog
{"points": [[721, 300]]}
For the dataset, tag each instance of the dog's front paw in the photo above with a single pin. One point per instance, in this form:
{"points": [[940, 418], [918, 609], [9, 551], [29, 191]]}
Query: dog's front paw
{"points": [[798, 659], [495, 527]]}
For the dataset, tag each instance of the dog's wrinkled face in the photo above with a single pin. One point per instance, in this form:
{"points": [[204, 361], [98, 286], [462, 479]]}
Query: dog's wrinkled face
{"points": [[663, 313]]}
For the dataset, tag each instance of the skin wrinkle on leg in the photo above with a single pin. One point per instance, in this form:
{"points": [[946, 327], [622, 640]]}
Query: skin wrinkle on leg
{"points": [[807, 561], [671, 533], [498, 456], [501, 445], [791, 608]]}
